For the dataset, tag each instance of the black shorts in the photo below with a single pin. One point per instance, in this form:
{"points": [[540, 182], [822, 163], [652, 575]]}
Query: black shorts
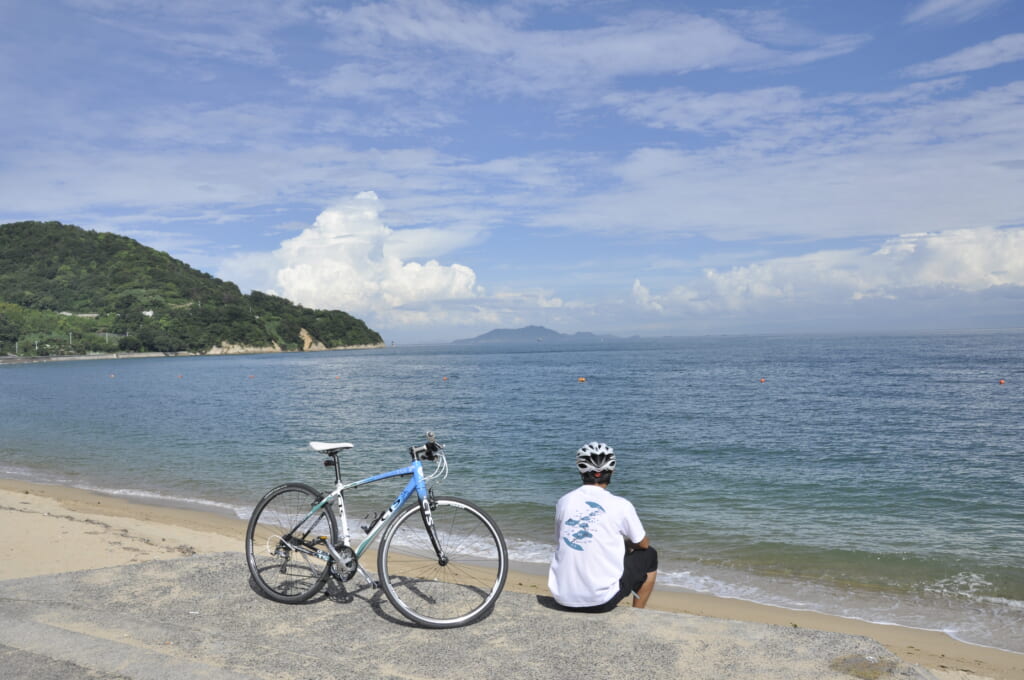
{"points": [[635, 567]]}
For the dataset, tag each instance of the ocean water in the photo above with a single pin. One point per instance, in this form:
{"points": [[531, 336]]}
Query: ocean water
{"points": [[873, 477]]}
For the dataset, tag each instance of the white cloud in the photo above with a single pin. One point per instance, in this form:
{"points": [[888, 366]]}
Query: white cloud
{"points": [[807, 167], [348, 259], [642, 296], [722, 111], [950, 10], [771, 118], [365, 81], [1002, 50], [493, 49], [962, 261], [237, 30]]}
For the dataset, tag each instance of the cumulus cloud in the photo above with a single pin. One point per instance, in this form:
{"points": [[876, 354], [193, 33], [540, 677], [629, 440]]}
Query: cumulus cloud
{"points": [[350, 260], [955, 261], [1002, 50], [642, 296]]}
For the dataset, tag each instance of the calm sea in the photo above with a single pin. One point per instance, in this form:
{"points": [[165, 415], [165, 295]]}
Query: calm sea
{"points": [[875, 477]]}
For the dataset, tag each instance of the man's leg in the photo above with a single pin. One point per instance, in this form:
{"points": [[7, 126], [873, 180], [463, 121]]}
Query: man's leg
{"points": [[643, 593], [640, 570]]}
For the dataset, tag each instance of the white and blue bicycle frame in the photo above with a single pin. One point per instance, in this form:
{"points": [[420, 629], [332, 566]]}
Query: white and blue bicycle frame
{"points": [[417, 484]]}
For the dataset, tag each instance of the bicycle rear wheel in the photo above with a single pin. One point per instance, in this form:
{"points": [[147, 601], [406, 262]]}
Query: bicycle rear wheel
{"points": [[455, 593], [285, 543]]}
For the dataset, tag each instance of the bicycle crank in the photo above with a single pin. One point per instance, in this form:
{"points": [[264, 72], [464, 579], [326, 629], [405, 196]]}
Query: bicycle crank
{"points": [[345, 563]]}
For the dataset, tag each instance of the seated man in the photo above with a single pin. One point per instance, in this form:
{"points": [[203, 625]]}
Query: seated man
{"points": [[602, 552]]}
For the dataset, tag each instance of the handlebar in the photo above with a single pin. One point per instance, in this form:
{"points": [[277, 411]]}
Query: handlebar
{"points": [[427, 451]]}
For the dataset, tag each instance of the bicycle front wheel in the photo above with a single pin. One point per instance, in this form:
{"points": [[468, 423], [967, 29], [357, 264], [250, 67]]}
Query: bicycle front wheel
{"points": [[285, 544], [451, 592]]}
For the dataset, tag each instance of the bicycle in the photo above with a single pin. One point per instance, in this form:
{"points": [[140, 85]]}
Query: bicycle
{"points": [[443, 572]]}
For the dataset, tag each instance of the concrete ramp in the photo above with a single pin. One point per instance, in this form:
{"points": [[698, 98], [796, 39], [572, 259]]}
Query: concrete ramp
{"points": [[199, 617]]}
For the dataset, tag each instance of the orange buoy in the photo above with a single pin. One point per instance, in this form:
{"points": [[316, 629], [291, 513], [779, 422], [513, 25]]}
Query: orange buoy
{"points": [[763, 380], [582, 380], [252, 376], [1002, 382], [444, 378]]}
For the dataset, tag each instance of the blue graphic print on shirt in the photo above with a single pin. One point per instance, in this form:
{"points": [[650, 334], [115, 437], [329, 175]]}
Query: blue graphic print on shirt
{"points": [[582, 526]]}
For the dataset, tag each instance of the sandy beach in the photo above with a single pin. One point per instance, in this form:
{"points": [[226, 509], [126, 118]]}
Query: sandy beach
{"points": [[52, 529]]}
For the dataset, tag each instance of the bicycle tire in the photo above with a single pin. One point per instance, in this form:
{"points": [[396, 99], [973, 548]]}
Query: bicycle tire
{"points": [[284, 564], [454, 594]]}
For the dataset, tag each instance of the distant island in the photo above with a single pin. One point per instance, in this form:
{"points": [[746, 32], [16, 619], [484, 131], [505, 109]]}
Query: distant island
{"points": [[532, 334], [67, 291]]}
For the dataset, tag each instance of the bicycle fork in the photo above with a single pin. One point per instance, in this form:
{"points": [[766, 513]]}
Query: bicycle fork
{"points": [[427, 503]]}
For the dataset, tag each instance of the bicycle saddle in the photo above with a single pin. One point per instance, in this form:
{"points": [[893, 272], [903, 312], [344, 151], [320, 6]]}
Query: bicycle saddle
{"points": [[329, 449]]}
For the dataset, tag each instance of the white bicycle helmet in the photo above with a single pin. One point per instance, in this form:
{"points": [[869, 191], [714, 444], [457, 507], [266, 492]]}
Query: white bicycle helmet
{"points": [[595, 457]]}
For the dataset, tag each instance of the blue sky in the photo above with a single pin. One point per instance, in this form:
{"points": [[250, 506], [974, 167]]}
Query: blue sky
{"points": [[444, 168]]}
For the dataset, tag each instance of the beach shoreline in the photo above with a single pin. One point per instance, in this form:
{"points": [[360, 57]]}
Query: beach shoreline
{"points": [[49, 529], [10, 359]]}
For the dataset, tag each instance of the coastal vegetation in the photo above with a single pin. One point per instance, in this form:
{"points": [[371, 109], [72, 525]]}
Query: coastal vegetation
{"points": [[66, 290]]}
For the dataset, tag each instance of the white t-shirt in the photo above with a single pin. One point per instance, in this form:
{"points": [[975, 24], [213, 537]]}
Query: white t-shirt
{"points": [[590, 523]]}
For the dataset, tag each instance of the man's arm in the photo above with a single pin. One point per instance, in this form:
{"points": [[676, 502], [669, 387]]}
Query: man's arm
{"points": [[644, 544]]}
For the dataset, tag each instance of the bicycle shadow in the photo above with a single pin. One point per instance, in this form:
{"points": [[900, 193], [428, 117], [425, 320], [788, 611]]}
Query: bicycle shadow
{"points": [[348, 592], [320, 597], [345, 593]]}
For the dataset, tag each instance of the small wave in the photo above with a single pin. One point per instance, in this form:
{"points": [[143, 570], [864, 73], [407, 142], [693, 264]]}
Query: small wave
{"points": [[152, 497], [963, 584], [35, 476], [181, 501], [700, 583], [521, 550], [1004, 602]]}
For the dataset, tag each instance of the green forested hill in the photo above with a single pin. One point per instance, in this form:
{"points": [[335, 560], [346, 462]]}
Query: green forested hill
{"points": [[65, 290]]}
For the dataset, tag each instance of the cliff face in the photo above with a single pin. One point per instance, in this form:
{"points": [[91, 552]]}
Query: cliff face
{"points": [[310, 344], [228, 348]]}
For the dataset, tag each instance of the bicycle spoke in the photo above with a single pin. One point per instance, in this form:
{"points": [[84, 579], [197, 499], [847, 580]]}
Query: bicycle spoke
{"points": [[283, 540], [460, 591], [447, 575]]}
